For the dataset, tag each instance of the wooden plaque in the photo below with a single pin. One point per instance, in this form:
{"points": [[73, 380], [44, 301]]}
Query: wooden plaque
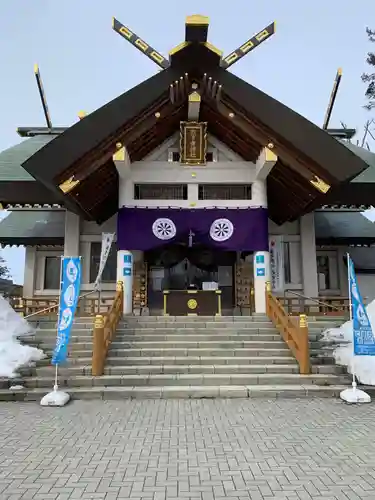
{"points": [[193, 143]]}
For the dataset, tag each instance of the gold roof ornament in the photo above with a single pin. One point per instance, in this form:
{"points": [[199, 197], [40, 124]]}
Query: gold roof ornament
{"points": [[320, 185], [69, 184], [120, 153], [194, 97]]}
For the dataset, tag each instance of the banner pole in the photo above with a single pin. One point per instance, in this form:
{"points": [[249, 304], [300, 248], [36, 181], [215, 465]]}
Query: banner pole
{"points": [[354, 383], [99, 296], [56, 387], [69, 293]]}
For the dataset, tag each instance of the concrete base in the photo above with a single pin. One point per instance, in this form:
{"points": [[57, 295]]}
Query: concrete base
{"points": [[354, 396], [55, 398]]}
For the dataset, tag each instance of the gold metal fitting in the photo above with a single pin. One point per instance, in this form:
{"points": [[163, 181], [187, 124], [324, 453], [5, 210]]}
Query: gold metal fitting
{"points": [[302, 321], [99, 321]]}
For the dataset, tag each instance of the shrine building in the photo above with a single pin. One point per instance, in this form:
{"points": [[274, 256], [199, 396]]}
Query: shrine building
{"points": [[211, 186]]}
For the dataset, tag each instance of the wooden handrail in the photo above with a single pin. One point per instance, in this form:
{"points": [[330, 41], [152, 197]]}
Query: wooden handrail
{"points": [[104, 330], [297, 303], [48, 306], [295, 333]]}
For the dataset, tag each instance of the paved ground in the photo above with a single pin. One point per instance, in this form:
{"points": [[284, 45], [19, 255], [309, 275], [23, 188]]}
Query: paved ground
{"points": [[190, 449]]}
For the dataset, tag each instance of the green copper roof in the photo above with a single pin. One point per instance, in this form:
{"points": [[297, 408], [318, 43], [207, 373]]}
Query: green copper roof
{"points": [[24, 225], [12, 158], [342, 224], [367, 175]]}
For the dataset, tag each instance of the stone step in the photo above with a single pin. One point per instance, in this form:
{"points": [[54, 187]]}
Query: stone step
{"points": [[189, 379], [216, 337], [213, 325], [199, 351], [194, 319], [200, 360], [181, 344], [126, 337], [164, 331], [149, 369], [179, 392]]}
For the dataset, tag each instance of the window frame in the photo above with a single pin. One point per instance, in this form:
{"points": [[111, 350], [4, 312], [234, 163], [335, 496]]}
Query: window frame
{"points": [[333, 267], [58, 263], [183, 187], [112, 254], [248, 188]]}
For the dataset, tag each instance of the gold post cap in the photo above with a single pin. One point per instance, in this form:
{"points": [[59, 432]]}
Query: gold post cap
{"points": [[99, 321], [82, 114], [194, 97], [268, 286], [119, 286], [36, 68], [198, 20], [302, 320]]}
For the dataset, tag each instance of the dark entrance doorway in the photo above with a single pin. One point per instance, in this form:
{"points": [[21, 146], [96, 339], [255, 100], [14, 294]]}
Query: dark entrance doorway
{"points": [[179, 267]]}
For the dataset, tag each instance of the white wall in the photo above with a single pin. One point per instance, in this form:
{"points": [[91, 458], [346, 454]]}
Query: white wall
{"points": [[228, 169], [35, 259]]}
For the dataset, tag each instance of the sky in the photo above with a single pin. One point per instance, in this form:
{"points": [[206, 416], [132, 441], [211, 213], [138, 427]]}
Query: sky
{"points": [[84, 63]]}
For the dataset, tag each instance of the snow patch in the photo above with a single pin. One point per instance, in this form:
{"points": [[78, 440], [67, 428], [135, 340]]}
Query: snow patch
{"points": [[342, 341], [13, 355]]}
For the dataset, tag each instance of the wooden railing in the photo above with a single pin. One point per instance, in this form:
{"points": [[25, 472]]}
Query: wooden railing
{"points": [[293, 330], [315, 306], [104, 331], [47, 306]]}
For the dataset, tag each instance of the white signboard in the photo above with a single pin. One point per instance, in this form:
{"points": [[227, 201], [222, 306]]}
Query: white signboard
{"points": [[107, 239], [276, 245]]}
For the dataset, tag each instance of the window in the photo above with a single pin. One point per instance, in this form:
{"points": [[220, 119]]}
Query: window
{"points": [[52, 273], [292, 263], [110, 270], [224, 192], [160, 191], [327, 266]]}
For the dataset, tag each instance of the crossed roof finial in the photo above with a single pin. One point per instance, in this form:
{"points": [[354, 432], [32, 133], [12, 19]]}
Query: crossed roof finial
{"points": [[196, 30]]}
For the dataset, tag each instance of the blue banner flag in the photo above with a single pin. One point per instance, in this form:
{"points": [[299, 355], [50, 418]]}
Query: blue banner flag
{"points": [[69, 295], [363, 338]]}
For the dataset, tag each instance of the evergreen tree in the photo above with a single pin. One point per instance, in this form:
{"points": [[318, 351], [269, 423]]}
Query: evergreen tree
{"points": [[369, 78], [4, 270]]}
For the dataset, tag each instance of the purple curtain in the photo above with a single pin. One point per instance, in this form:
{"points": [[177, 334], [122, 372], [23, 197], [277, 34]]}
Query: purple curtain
{"points": [[227, 229]]}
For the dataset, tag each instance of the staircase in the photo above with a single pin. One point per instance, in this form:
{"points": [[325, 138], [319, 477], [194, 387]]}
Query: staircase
{"points": [[180, 357]]}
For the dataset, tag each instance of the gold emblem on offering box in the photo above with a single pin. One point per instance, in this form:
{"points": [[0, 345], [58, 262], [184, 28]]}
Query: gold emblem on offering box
{"points": [[193, 143], [192, 304]]}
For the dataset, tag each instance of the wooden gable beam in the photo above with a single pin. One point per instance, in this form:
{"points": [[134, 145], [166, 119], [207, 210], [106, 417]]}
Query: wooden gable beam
{"points": [[71, 178], [303, 166]]}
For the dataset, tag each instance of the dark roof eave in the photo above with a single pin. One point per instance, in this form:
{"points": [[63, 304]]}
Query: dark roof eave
{"points": [[32, 242], [35, 131], [78, 140], [315, 143]]}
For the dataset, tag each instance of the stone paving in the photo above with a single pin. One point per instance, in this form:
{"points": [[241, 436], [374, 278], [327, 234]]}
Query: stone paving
{"points": [[188, 449]]}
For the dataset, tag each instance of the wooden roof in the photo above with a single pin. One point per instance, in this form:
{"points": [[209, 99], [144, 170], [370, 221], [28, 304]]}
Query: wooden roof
{"points": [[241, 116]]}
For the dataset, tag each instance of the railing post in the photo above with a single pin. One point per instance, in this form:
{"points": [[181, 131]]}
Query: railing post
{"points": [[120, 288], [98, 346], [304, 365], [268, 291]]}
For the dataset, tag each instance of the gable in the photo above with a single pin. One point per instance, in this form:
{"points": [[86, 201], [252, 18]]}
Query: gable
{"points": [[221, 152]]}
